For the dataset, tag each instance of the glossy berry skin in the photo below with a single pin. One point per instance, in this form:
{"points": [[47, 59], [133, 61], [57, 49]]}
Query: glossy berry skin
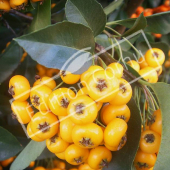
{"points": [[155, 57], [56, 144], [59, 101], [66, 127], [49, 82], [32, 135], [134, 65], [87, 136], [156, 122], [102, 86], [99, 157], [32, 164], [159, 70], [85, 76], [142, 62], [51, 72], [39, 168], [6, 162], [82, 110], [150, 141], [39, 97], [4, 5], [112, 111], [75, 155], [22, 111], [115, 132], [149, 74], [84, 91], [69, 78], [144, 161], [23, 56], [124, 94], [116, 69], [19, 88], [41, 70], [85, 167], [44, 125], [15, 3], [61, 155]]}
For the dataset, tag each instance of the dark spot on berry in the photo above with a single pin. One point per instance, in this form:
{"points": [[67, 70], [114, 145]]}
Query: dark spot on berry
{"points": [[79, 108], [104, 163], [149, 138], [122, 142], [78, 160], [11, 90], [63, 73], [122, 87], [121, 117], [86, 142], [101, 84], [155, 54], [36, 100], [44, 127], [53, 139], [142, 165], [37, 77], [14, 116], [64, 102]]}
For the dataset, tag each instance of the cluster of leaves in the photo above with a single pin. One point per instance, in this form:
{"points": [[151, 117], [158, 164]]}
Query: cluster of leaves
{"points": [[54, 45]]}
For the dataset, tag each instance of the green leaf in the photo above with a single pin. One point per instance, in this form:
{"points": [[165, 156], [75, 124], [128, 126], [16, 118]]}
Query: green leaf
{"points": [[112, 6], [9, 60], [42, 17], [59, 6], [139, 24], [123, 159], [9, 145], [63, 46], [103, 40], [157, 23], [143, 46], [87, 12], [161, 91], [30, 153]]}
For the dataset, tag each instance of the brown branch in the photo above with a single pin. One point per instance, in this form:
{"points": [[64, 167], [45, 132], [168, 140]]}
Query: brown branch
{"points": [[130, 9]]}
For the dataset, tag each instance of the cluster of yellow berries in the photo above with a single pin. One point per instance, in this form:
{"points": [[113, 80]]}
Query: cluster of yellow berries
{"points": [[60, 165], [68, 119], [43, 71], [150, 66], [6, 5], [149, 143]]}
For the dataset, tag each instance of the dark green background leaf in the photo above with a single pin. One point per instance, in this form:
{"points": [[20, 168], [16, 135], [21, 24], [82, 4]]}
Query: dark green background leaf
{"points": [[139, 24], [89, 13], [123, 159], [9, 60], [9, 145], [30, 153], [112, 6], [157, 23], [54, 45], [42, 17]]}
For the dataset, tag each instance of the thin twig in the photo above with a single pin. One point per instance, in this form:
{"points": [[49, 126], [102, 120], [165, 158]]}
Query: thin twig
{"points": [[21, 14], [9, 27]]}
